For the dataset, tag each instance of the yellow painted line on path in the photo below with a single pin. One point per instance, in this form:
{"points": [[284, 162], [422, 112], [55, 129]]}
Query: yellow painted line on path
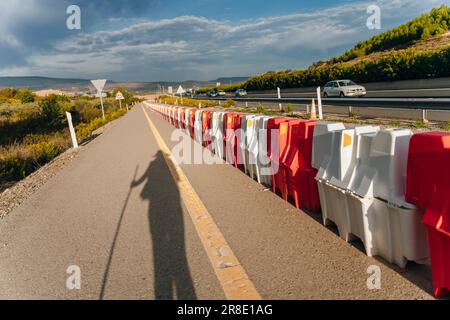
{"points": [[230, 273]]}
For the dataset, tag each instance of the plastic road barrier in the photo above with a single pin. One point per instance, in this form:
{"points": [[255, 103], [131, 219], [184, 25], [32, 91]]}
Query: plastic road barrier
{"points": [[178, 118], [255, 152], [192, 122], [300, 183], [247, 123], [362, 191], [323, 148], [172, 115], [251, 150], [428, 187], [217, 133], [232, 127], [258, 151], [206, 127], [278, 177], [273, 147], [182, 118], [186, 120], [198, 126]]}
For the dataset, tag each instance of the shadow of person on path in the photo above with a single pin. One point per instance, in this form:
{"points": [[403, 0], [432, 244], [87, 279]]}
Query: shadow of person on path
{"points": [[172, 279]]}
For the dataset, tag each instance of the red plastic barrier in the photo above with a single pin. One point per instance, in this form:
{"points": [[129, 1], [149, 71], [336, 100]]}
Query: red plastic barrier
{"points": [[279, 176], [232, 123], [428, 187], [183, 117], [206, 127], [192, 122], [172, 115], [177, 125], [299, 176]]}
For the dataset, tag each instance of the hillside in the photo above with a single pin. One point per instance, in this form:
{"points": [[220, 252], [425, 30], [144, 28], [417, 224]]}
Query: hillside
{"points": [[418, 49]]}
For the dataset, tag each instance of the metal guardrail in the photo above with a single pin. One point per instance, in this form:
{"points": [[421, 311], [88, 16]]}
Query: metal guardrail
{"points": [[395, 103]]}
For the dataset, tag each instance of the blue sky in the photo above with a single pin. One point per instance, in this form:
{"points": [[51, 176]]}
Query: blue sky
{"points": [[151, 40]]}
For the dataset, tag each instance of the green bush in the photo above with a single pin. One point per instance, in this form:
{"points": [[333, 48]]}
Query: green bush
{"points": [[85, 130], [421, 28], [229, 103], [445, 126], [288, 108], [18, 161], [25, 96], [51, 113], [7, 93]]}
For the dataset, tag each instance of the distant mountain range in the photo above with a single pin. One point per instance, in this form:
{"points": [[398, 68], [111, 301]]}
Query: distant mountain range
{"points": [[83, 85]]}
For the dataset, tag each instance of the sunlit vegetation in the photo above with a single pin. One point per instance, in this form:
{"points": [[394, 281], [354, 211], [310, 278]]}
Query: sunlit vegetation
{"points": [[34, 130]]}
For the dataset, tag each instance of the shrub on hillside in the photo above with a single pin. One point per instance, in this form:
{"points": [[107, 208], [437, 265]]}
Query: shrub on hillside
{"points": [[25, 96], [51, 113], [229, 103]]}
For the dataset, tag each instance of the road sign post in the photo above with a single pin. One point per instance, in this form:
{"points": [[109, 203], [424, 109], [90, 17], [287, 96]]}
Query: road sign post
{"points": [[180, 91], [99, 85], [120, 97]]}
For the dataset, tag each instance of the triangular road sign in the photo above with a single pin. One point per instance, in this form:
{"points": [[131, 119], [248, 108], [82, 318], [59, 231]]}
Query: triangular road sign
{"points": [[119, 96], [99, 84], [180, 90]]}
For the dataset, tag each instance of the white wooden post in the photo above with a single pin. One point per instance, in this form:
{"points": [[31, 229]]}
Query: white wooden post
{"points": [[319, 103], [72, 130], [279, 97]]}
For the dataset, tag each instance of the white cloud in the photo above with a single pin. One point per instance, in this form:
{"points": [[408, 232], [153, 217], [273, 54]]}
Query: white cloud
{"points": [[198, 47]]}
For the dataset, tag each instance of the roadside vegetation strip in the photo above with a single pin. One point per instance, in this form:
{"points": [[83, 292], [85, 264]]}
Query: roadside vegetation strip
{"points": [[33, 130], [194, 103], [230, 273]]}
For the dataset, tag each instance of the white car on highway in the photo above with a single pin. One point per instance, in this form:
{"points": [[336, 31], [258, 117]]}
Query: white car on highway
{"points": [[343, 88]]}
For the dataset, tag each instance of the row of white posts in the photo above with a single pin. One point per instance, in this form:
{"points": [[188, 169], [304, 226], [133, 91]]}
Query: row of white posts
{"points": [[313, 105]]}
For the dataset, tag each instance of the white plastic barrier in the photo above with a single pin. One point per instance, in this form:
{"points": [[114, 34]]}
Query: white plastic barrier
{"points": [[217, 133], [243, 144], [335, 171], [259, 162], [251, 146], [323, 152], [179, 120], [362, 191], [378, 187], [198, 136], [186, 120]]}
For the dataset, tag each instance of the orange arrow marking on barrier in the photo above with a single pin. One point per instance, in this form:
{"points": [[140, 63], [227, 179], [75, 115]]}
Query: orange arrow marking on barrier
{"points": [[347, 140]]}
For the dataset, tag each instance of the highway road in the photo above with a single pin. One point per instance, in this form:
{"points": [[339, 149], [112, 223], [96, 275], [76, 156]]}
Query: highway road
{"points": [[436, 92], [142, 227], [397, 93]]}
